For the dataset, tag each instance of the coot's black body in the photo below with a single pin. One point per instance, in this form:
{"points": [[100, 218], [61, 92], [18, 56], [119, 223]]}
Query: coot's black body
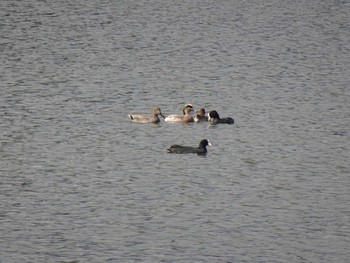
{"points": [[200, 150], [214, 118]]}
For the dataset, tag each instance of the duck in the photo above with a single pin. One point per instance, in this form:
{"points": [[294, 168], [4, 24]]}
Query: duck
{"points": [[146, 119], [200, 150], [201, 116], [214, 118], [187, 117]]}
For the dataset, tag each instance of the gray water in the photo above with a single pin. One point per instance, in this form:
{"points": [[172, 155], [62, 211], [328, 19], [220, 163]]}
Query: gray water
{"points": [[80, 183]]}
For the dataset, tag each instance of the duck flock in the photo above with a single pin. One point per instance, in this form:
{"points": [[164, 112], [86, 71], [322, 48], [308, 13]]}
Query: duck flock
{"points": [[212, 117]]}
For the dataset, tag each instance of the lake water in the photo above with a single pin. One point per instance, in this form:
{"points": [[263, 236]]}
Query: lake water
{"points": [[81, 183]]}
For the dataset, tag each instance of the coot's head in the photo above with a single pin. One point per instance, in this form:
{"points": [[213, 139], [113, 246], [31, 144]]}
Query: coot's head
{"points": [[204, 143], [213, 115]]}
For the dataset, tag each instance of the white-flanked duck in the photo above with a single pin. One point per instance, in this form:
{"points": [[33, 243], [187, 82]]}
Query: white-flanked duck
{"points": [[187, 117]]}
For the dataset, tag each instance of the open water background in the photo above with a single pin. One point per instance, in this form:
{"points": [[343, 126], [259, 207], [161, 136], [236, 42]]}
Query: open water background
{"points": [[80, 183]]}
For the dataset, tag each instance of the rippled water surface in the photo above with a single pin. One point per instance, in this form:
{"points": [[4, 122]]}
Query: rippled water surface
{"points": [[81, 183]]}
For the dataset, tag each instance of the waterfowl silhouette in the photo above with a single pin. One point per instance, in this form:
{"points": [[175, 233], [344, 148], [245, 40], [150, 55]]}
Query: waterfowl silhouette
{"points": [[200, 150], [214, 118], [201, 116], [146, 119], [187, 117]]}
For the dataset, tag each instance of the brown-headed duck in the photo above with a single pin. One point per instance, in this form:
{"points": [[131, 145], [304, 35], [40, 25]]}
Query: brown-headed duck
{"points": [[201, 116]]}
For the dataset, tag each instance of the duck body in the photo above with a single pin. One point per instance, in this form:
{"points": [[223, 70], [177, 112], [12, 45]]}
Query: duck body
{"points": [[200, 150], [201, 116], [146, 119], [179, 118], [187, 117], [214, 118]]}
